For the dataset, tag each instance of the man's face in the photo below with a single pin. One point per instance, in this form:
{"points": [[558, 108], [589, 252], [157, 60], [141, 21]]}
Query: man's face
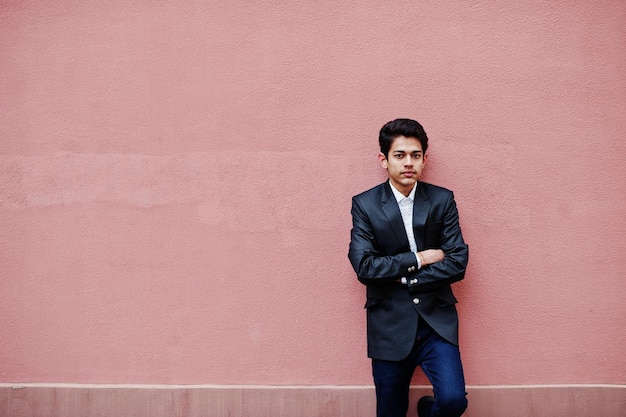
{"points": [[404, 163]]}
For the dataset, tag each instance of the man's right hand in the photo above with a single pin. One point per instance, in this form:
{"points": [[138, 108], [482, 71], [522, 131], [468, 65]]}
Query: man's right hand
{"points": [[430, 256]]}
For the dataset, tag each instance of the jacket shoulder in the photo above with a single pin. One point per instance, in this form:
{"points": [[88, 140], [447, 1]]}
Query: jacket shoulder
{"points": [[372, 193], [432, 190]]}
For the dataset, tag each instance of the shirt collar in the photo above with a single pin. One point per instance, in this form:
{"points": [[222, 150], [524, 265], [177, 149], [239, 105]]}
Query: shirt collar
{"points": [[399, 196]]}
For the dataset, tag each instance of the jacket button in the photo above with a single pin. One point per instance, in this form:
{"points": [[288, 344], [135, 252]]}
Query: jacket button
{"points": [[414, 281], [416, 301], [411, 268]]}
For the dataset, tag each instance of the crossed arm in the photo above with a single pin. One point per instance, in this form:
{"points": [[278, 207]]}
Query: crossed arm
{"points": [[440, 266]]}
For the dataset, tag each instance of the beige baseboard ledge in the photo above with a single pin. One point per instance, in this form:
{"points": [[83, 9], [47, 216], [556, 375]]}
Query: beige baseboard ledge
{"points": [[151, 400], [288, 387]]}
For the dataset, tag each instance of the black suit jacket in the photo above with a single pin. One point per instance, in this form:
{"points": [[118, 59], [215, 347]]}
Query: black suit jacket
{"points": [[380, 255]]}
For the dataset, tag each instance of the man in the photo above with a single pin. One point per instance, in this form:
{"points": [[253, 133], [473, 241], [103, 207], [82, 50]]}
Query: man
{"points": [[407, 248]]}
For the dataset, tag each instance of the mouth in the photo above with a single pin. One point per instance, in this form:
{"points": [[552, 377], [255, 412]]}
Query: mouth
{"points": [[409, 174]]}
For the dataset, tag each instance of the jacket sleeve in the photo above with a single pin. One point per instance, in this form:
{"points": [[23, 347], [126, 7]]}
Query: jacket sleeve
{"points": [[370, 264], [456, 251]]}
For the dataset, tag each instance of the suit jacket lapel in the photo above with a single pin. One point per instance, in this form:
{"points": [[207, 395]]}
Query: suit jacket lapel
{"points": [[392, 211], [421, 207]]}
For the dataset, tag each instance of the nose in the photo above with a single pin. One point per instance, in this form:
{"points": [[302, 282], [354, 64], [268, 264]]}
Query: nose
{"points": [[408, 161]]}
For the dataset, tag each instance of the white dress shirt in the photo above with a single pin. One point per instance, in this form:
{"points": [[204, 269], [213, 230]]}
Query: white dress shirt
{"points": [[406, 209]]}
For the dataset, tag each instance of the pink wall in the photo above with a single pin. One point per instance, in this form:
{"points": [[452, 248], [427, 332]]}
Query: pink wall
{"points": [[175, 183]]}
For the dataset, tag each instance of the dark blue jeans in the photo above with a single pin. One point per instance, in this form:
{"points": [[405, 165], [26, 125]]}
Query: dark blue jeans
{"points": [[441, 362]]}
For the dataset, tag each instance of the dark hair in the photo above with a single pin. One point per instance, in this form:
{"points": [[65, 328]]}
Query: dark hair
{"points": [[401, 127]]}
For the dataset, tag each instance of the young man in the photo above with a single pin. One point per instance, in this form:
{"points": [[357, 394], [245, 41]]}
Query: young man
{"points": [[406, 247]]}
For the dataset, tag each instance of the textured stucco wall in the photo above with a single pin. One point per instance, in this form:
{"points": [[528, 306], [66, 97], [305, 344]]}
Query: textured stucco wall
{"points": [[175, 183]]}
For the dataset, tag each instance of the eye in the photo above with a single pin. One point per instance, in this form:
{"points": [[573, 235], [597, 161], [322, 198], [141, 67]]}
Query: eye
{"points": [[417, 155], [398, 155]]}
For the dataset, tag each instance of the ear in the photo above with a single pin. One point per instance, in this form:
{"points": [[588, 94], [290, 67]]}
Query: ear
{"points": [[425, 157], [383, 160]]}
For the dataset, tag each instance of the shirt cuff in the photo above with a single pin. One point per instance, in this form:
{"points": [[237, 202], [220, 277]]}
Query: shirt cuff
{"points": [[419, 263]]}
